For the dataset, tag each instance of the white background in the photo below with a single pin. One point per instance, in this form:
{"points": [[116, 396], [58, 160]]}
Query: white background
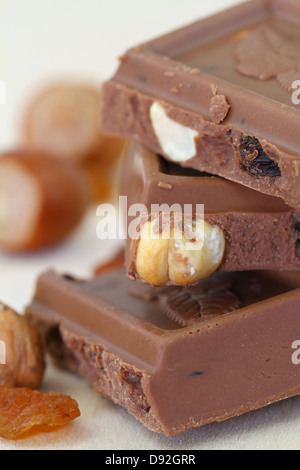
{"points": [[42, 41]]}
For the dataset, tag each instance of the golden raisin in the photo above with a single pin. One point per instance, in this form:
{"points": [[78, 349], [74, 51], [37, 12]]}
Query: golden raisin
{"points": [[25, 412]]}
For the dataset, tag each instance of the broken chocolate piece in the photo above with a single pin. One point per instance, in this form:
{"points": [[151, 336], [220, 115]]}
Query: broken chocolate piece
{"points": [[259, 229], [174, 378], [250, 56], [219, 108]]}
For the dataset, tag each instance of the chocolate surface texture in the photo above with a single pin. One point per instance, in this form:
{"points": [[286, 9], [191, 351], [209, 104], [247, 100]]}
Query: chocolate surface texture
{"points": [[261, 231], [176, 358], [217, 96]]}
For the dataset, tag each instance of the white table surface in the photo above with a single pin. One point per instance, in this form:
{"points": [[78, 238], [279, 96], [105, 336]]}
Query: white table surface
{"points": [[43, 41]]}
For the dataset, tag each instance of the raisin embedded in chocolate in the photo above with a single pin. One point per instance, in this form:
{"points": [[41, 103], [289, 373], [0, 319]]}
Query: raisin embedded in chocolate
{"points": [[254, 159]]}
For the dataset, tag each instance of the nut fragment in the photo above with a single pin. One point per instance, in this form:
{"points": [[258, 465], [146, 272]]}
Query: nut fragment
{"points": [[174, 257], [176, 141], [22, 362]]}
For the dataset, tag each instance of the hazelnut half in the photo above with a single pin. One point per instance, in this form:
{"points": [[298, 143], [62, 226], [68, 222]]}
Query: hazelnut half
{"points": [[178, 142], [175, 258]]}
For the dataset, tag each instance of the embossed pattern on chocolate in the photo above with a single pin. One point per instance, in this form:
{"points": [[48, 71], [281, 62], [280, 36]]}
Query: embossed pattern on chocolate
{"points": [[267, 53], [193, 305], [185, 307]]}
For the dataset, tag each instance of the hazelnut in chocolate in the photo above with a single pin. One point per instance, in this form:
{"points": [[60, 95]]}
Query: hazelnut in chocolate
{"points": [[242, 229]]}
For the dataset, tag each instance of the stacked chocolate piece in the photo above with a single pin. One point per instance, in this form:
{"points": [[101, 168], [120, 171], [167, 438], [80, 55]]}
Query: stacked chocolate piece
{"points": [[201, 325]]}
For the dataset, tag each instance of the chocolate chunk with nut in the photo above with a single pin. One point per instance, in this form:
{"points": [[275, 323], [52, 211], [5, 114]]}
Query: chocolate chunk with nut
{"points": [[177, 243]]}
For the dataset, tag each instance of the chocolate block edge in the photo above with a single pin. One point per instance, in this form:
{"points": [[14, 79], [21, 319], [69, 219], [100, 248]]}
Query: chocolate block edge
{"points": [[214, 364], [110, 376]]}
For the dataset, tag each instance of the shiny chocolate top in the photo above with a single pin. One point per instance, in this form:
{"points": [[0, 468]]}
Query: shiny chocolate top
{"points": [[136, 321]]}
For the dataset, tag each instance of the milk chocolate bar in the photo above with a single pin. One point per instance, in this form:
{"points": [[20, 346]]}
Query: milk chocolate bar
{"points": [[220, 95], [176, 358], [244, 229]]}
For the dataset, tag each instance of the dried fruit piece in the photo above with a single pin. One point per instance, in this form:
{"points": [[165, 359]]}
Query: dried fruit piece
{"points": [[25, 412], [22, 364], [254, 159]]}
